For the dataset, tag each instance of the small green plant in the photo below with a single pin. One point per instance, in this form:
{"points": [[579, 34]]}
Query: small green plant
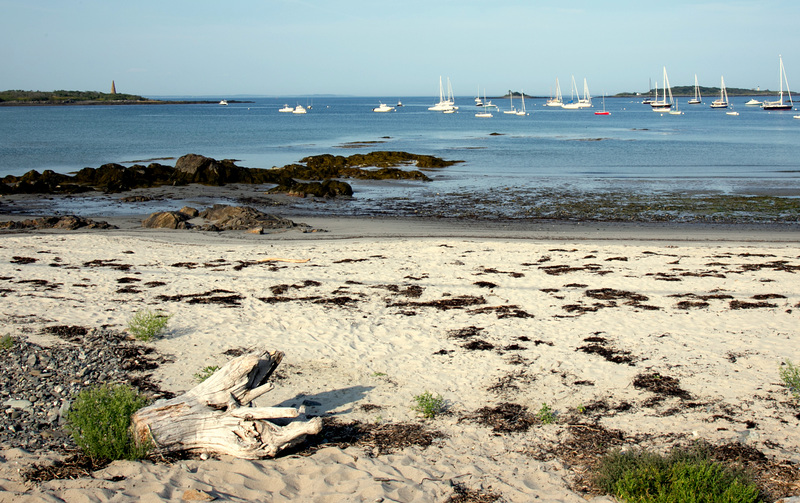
{"points": [[428, 405], [581, 409], [99, 421], [546, 415], [6, 342], [379, 374], [682, 476], [206, 372], [790, 375], [145, 325]]}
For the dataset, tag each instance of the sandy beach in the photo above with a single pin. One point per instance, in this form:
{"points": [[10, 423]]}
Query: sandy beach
{"points": [[582, 318]]}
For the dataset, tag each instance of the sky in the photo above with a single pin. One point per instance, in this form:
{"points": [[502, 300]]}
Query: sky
{"points": [[392, 48]]}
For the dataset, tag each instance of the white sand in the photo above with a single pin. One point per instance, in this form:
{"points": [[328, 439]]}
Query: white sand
{"points": [[373, 351]]}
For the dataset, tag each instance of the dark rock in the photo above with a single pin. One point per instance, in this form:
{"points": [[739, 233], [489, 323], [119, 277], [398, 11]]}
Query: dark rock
{"points": [[68, 222], [167, 220], [224, 217]]}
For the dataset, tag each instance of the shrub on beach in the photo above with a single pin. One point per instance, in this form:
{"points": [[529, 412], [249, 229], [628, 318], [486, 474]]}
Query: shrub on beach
{"points": [[146, 325], [6, 342], [790, 375], [682, 476], [99, 421], [428, 405]]}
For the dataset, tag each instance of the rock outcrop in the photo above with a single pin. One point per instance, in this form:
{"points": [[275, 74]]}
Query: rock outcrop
{"points": [[219, 217]]}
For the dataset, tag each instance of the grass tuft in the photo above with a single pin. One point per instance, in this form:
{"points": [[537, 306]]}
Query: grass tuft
{"points": [[99, 421], [146, 325], [790, 375], [206, 372], [6, 342], [428, 405]]}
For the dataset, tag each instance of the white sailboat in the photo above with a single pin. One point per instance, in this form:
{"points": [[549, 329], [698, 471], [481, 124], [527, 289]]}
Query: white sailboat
{"points": [[586, 101], [486, 112], [573, 103], [555, 101], [512, 111], [523, 111], [697, 98], [722, 102], [663, 105], [779, 104], [446, 105]]}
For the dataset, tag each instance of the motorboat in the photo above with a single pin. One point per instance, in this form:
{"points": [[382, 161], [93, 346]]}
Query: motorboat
{"points": [[223, 103], [299, 110], [383, 108], [286, 109]]}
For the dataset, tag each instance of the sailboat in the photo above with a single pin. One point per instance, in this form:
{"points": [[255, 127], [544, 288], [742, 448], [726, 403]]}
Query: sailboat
{"points": [[604, 107], [663, 105], [586, 101], [573, 103], [486, 112], [722, 102], [779, 104], [649, 100], [555, 101], [676, 111], [446, 105], [512, 111], [697, 98], [523, 111]]}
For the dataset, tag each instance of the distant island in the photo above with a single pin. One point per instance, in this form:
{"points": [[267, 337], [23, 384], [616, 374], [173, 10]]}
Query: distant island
{"points": [[705, 91], [32, 98]]}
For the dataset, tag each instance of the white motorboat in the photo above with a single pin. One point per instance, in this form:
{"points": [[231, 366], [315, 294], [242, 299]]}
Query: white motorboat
{"points": [[383, 108], [779, 104], [286, 109], [299, 110], [722, 102], [697, 98], [223, 103], [754, 103]]}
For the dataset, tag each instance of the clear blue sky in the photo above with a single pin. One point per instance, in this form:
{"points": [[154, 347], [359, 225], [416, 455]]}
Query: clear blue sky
{"points": [[392, 48]]}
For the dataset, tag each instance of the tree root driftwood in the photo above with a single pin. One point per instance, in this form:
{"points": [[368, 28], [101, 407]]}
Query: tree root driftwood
{"points": [[216, 415]]}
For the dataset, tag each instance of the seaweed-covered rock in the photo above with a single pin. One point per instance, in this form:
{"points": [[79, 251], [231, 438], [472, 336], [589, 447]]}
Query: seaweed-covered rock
{"points": [[68, 222], [328, 188]]}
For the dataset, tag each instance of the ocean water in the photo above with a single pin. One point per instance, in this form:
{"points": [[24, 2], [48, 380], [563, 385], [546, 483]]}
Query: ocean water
{"points": [[633, 149]]}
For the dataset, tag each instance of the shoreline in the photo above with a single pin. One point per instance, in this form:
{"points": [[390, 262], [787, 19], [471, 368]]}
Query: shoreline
{"points": [[565, 315]]}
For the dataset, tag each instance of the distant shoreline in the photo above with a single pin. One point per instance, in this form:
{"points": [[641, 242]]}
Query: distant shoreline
{"points": [[112, 103]]}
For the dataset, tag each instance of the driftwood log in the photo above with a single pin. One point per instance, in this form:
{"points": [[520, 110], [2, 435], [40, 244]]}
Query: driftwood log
{"points": [[216, 416]]}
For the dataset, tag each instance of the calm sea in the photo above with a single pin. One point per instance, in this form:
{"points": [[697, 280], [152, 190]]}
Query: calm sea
{"points": [[634, 148]]}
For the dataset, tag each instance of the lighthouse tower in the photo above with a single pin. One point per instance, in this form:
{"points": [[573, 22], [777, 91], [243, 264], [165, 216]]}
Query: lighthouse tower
{"points": [[113, 88]]}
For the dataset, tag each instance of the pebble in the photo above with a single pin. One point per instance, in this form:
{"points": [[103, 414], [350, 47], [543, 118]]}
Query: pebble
{"points": [[34, 401]]}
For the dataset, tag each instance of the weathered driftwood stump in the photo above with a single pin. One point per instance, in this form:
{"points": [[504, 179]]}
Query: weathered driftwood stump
{"points": [[216, 416]]}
